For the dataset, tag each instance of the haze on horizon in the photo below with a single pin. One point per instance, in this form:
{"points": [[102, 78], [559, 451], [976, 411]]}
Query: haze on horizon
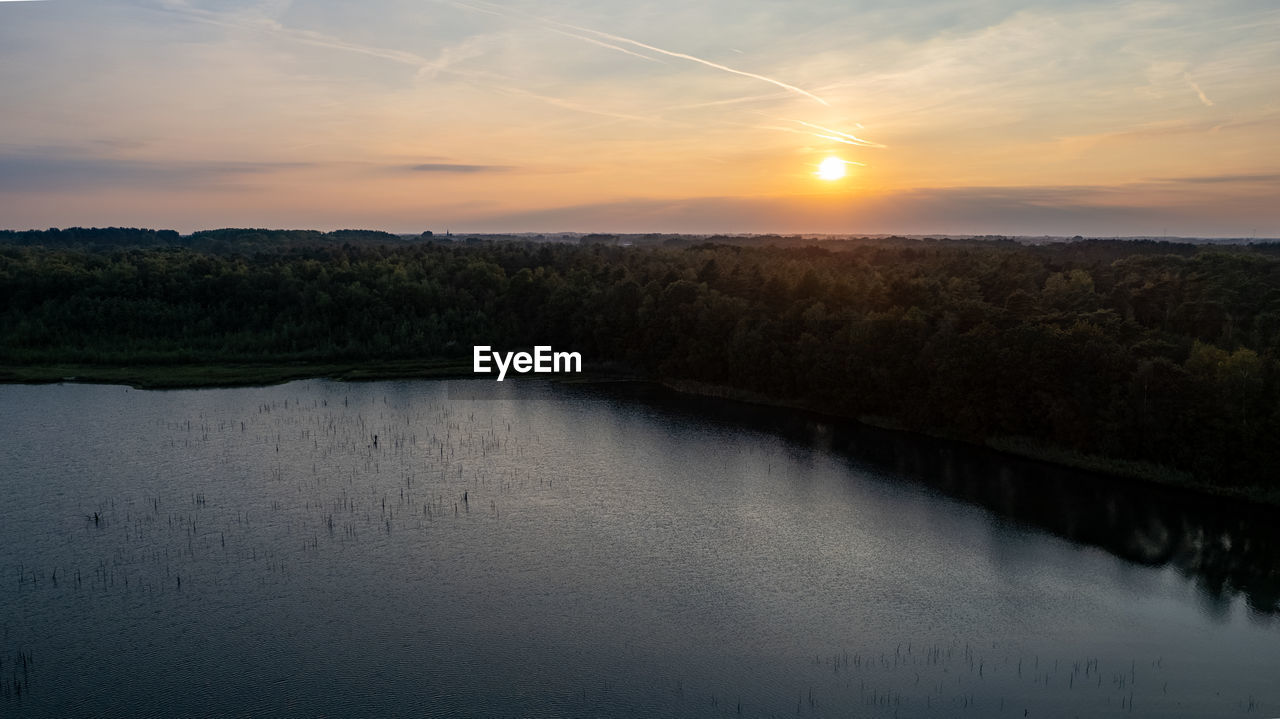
{"points": [[988, 117]]}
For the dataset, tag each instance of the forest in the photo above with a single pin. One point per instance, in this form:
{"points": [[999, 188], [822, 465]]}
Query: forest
{"points": [[1140, 357]]}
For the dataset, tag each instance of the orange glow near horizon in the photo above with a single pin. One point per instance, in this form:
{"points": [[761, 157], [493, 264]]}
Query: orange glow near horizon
{"points": [[618, 117]]}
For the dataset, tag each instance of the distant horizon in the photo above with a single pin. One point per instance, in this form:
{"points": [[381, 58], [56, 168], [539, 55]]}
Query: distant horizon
{"points": [[1063, 119], [463, 233]]}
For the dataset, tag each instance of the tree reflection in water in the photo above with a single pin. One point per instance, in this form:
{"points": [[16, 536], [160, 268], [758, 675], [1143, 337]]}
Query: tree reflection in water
{"points": [[1229, 548]]}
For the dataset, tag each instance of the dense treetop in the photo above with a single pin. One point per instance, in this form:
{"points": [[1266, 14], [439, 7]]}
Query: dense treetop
{"points": [[1159, 352]]}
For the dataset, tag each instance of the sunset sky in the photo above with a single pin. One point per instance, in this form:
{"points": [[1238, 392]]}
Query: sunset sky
{"points": [[962, 117]]}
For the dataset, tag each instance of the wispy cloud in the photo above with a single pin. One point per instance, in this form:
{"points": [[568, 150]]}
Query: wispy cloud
{"points": [[457, 168], [263, 24], [489, 8], [53, 169], [825, 134], [1199, 93], [746, 99], [446, 62], [725, 68], [839, 136], [578, 107], [600, 43], [425, 67], [1095, 211], [1255, 178]]}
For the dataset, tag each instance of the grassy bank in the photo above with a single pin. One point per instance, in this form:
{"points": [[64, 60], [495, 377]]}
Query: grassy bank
{"points": [[194, 376], [230, 375]]}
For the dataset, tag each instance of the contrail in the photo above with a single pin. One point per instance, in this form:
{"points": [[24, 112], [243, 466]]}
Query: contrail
{"points": [[835, 135], [569, 105], [808, 133], [593, 41], [730, 101], [306, 37], [708, 63], [423, 64], [309, 37], [842, 136], [841, 139], [636, 43]]}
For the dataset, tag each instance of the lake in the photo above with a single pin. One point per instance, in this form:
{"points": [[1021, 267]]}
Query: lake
{"points": [[459, 548]]}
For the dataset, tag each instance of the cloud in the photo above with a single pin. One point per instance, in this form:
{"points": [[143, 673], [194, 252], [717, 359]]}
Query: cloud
{"points": [[445, 64], [838, 136], [259, 23], [64, 169], [491, 9], [600, 43], [1098, 211], [715, 65], [457, 168], [1199, 93], [1259, 178]]}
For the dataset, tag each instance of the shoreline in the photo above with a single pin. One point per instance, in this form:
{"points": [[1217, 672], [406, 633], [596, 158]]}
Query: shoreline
{"points": [[212, 376], [1021, 447]]}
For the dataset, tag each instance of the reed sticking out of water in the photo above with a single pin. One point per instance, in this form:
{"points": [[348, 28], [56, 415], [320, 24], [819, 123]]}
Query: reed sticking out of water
{"points": [[17, 685]]}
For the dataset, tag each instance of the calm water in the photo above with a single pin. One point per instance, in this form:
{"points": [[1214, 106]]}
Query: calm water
{"points": [[406, 549]]}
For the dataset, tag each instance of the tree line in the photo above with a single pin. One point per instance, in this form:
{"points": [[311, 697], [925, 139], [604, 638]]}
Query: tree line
{"points": [[1155, 352]]}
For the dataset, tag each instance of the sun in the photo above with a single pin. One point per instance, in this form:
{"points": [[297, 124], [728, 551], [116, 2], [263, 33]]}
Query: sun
{"points": [[831, 168]]}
